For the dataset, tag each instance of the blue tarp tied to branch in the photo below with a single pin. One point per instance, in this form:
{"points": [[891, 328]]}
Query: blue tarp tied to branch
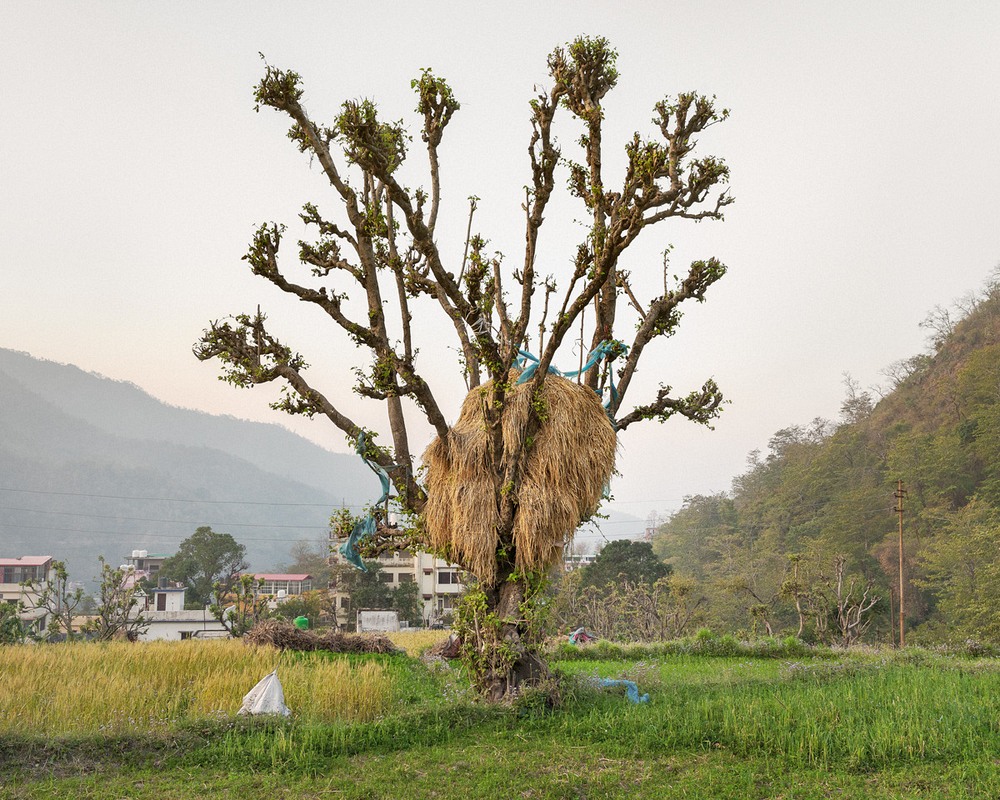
{"points": [[609, 349], [366, 526]]}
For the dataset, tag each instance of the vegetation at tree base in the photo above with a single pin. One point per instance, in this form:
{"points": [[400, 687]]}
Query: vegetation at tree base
{"points": [[208, 564], [862, 724], [819, 504], [379, 258]]}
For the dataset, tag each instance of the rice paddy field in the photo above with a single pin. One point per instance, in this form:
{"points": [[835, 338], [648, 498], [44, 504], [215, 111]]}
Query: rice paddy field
{"points": [[158, 720]]}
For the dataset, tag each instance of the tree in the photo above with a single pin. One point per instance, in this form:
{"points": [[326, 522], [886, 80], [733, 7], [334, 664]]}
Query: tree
{"points": [[310, 558], [55, 596], [368, 590], [381, 255], [313, 605], [204, 559], [623, 560], [12, 630], [118, 611], [964, 573], [239, 604]]}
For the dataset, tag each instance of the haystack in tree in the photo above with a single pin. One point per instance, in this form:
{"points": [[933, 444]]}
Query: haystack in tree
{"points": [[530, 455]]}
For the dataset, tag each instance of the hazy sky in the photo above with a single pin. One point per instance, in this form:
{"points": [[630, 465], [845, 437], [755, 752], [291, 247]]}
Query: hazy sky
{"points": [[863, 145]]}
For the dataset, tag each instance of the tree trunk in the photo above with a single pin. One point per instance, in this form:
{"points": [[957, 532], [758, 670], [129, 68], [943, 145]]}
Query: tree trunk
{"points": [[499, 645], [526, 666]]}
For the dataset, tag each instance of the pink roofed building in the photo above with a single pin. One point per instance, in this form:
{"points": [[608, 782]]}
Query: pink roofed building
{"points": [[14, 572], [282, 583]]}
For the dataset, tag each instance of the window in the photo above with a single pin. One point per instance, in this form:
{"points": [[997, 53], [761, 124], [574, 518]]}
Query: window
{"points": [[385, 577], [187, 635], [446, 578], [345, 602], [161, 601], [406, 577]]}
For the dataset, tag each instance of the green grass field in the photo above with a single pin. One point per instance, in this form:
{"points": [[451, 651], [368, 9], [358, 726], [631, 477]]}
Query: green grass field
{"points": [[158, 722]]}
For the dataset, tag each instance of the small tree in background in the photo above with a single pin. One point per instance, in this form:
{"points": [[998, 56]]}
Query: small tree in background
{"points": [[204, 560], [315, 606], [239, 605], [12, 630], [623, 560], [311, 558], [119, 609], [368, 590], [56, 598]]}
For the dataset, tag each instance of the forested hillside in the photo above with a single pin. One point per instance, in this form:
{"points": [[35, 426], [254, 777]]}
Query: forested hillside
{"points": [[817, 510], [91, 466]]}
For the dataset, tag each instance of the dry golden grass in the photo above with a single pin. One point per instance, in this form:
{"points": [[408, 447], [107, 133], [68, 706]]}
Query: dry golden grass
{"points": [[567, 468], [89, 687], [415, 642]]}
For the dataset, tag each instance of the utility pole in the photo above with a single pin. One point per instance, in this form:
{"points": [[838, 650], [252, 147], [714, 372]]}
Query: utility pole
{"points": [[899, 494]]}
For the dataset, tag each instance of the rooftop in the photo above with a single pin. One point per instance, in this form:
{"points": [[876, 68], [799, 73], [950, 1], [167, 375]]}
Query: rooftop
{"points": [[25, 561]]}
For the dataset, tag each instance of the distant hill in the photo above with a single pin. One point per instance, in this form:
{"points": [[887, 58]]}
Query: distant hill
{"points": [[828, 489], [124, 409], [93, 466]]}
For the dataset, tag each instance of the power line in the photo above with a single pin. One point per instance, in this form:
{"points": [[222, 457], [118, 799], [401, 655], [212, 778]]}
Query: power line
{"points": [[139, 534], [149, 519], [178, 499]]}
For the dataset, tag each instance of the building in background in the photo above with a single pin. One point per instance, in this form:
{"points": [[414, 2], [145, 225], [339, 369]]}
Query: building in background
{"points": [[14, 572], [145, 562], [279, 584], [572, 561], [439, 583]]}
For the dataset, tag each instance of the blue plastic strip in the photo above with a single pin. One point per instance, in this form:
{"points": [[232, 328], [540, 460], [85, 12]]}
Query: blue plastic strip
{"points": [[609, 349], [366, 526], [631, 689]]}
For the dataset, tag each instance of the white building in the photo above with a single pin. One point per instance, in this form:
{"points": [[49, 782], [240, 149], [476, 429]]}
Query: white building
{"points": [[147, 562], [439, 583], [168, 620], [572, 561], [14, 572]]}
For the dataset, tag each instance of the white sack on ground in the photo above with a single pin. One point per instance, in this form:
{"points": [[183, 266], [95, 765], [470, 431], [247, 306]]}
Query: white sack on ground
{"points": [[267, 697]]}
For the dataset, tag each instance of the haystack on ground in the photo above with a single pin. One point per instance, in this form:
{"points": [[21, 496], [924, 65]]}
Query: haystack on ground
{"points": [[568, 466], [286, 636]]}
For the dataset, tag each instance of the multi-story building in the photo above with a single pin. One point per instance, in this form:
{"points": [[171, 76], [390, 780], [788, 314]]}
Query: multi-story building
{"points": [[280, 584], [439, 584], [572, 561], [147, 562], [16, 571]]}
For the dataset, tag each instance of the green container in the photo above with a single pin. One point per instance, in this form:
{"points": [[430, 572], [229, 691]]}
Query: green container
{"points": [[302, 623]]}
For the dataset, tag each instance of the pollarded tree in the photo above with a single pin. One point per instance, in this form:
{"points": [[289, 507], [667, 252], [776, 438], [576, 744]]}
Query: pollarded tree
{"points": [[379, 255]]}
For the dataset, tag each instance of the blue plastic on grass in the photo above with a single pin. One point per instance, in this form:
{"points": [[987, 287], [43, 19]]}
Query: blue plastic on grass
{"points": [[366, 526], [631, 689]]}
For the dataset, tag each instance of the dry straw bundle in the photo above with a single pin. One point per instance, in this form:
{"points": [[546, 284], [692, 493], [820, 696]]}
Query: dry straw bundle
{"points": [[567, 468], [285, 636]]}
